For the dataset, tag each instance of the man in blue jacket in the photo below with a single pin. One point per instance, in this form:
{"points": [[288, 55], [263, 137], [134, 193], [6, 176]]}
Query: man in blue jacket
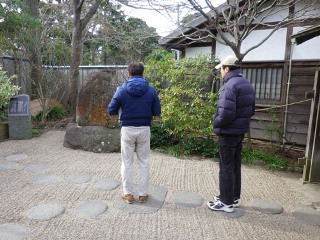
{"points": [[232, 120], [138, 102]]}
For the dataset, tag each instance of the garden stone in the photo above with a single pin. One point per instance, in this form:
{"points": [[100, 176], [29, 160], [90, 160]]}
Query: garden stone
{"points": [[107, 185], [36, 168], [188, 199], [308, 216], [90, 209], [9, 165], [78, 179], [266, 206], [13, 231], [16, 157], [96, 139], [45, 212]]}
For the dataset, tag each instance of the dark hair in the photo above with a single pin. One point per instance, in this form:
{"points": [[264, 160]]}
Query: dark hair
{"points": [[231, 67], [136, 69]]}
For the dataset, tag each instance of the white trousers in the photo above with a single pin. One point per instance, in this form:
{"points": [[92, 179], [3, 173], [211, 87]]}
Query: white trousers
{"points": [[135, 139]]}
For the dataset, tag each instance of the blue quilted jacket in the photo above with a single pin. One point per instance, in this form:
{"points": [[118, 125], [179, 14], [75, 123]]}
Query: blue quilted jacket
{"points": [[137, 101], [235, 107]]}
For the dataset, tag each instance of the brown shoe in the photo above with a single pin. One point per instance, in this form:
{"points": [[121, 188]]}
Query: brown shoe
{"points": [[127, 197], [143, 199]]}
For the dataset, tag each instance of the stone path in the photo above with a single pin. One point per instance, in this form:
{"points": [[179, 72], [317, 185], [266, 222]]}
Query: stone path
{"points": [[47, 203]]}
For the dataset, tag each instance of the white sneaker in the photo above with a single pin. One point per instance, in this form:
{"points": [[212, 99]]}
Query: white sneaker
{"points": [[220, 206], [236, 202]]}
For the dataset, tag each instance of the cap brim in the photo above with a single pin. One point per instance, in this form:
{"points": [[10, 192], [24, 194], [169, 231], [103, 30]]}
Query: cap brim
{"points": [[218, 66]]}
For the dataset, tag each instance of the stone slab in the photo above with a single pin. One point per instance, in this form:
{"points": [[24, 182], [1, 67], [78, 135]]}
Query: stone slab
{"points": [[90, 209], [266, 206], [155, 201], [45, 212], [308, 216], [188, 199], [13, 231]]}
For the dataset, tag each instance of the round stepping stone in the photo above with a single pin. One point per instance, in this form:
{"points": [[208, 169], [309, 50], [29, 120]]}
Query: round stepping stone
{"points": [[78, 179], [13, 231], [9, 165], [37, 168], [266, 206], [307, 216], [107, 185], [90, 209], [45, 212], [157, 196], [16, 157], [188, 199], [45, 179], [237, 213]]}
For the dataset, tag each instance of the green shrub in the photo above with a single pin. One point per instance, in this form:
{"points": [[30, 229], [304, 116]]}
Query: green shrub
{"points": [[7, 90], [184, 87], [160, 136], [55, 112], [272, 161]]}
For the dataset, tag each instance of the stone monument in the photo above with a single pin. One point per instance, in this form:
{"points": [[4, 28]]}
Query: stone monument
{"points": [[19, 117], [95, 130]]}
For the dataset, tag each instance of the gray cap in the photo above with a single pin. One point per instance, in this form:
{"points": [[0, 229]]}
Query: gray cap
{"points": [[228, 61]]}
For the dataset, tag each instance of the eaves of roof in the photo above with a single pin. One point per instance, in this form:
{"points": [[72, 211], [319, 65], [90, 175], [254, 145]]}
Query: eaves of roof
{"points": [[188, 28], [306, 34]]}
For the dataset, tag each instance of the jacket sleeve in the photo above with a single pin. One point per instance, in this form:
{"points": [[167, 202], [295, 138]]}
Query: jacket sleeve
{"points": [[115, 103], [156, 106], [226, 109]]}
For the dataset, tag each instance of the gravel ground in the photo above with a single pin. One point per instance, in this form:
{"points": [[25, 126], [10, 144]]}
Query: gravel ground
{"points": [[47, 173]]}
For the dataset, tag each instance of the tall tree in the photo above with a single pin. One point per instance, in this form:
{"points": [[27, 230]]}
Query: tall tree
{"points": [[33, 46], [80, 21]]}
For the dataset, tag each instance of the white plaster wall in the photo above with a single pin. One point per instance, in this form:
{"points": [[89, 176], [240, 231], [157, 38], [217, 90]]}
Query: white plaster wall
{"points": [[194, 51], [271, 50], [307, 50]]}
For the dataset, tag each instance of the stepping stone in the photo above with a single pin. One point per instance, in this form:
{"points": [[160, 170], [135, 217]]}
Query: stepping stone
{"points": [[108, 184], [44, 179], [155, 201], [45, 212], [188, 199], [237, 213], [78, 179], [13, 231], [308, 216], [90, 209], [266, 206], [36, 168], [9, 166], [16, 157]]}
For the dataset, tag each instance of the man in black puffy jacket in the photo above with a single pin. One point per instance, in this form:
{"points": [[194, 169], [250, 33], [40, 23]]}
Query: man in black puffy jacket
{"points": [[232, 120]]}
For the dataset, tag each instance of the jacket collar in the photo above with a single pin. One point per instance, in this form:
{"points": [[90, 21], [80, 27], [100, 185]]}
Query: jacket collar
{"points": [[231, 74]]}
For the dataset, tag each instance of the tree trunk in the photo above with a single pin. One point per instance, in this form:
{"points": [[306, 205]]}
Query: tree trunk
{"points": [[79, 25], [36, 64]]}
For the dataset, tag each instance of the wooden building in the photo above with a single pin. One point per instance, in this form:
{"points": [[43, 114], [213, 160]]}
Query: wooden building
{"points": [[280, 71]]}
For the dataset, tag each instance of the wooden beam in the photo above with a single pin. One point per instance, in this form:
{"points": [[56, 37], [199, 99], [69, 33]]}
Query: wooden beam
{"points": [[315, 156]]}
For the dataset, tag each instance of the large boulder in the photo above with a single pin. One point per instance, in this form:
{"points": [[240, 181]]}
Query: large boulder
{"points": [[96, 139], [94, 97], [95, 130]]}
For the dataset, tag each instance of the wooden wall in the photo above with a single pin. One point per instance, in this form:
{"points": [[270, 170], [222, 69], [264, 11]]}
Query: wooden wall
{"points": [[297, 119]]}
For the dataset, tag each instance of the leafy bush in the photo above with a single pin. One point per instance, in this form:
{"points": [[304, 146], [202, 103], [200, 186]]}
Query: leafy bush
{"points": [[184, 87], [273, 161], [55, 112], [7, 90], [188, 107]]}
